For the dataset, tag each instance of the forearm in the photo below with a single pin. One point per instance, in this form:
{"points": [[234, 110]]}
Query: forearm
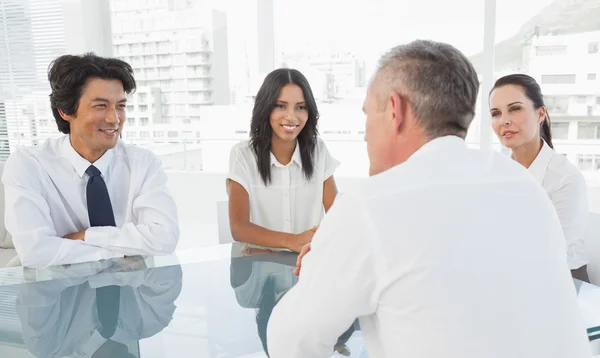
{"points": [[257, 235], [53, 251], [130, 239]]}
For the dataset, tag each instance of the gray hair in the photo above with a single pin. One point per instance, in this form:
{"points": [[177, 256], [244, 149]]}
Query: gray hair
{"points": [[436, 79]]}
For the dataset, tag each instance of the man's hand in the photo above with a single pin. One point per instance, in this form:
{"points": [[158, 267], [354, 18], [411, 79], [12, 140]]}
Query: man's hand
{"points": [[303, 252], [76, 236]]}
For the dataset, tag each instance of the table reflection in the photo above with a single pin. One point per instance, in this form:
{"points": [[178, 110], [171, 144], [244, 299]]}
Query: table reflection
{"points": [[97, 309], [260, 279]]}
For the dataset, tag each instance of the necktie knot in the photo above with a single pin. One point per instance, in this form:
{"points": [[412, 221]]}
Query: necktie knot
{"points": [[92, 171]]}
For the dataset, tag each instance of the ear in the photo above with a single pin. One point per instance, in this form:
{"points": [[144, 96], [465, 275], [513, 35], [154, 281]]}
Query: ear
{"points": [[397, 105], [66, 117], [541, 114]]}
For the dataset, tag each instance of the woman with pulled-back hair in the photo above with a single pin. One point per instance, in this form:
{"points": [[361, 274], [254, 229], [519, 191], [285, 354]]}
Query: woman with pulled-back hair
{"points": [[521, 122]]}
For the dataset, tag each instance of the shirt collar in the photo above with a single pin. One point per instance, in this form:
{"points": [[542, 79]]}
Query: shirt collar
{"points": [[540, 164], [81, 164], [295, 158], [435, 144]]}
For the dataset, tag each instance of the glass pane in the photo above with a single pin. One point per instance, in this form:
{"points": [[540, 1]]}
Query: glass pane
{"points": [[560, 130]]}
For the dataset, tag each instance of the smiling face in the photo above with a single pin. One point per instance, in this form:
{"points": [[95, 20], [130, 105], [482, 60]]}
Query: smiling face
{"points": [[99, 119], [515, 119], [290, 114]]}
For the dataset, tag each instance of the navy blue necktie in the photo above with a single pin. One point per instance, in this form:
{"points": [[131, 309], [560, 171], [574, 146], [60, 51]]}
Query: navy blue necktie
{"points": [[100, 213], [100, 209]]}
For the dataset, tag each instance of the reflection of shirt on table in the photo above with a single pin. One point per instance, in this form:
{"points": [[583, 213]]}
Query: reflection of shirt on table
{"points": [[60, 318], [250, 292]]}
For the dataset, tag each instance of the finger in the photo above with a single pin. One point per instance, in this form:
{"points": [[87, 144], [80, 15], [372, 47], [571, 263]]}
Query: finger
{"points": [[297, 272], [303, 252]]}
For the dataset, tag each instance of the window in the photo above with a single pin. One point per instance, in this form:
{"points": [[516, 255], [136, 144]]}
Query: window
{"points": [[557, 104], [158, 134], [552, 50], [598, 101], [179, 72], [144, 121], [558, 79], [144, 134], [588, 130], [179, 59], [337, 132], [143, 108], [593, 47], [591, 76], [142, 97], [173, 134], [585, 162], [588, 162], [560, 130], [581, 99], [180, 108], [131, 134]]}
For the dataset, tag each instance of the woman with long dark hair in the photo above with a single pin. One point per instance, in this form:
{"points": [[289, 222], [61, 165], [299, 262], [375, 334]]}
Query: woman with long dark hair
{"points": [[522, 124], [280, 182]]}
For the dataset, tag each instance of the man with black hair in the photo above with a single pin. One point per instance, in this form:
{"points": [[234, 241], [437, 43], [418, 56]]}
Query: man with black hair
{"points": [[87, 196]]}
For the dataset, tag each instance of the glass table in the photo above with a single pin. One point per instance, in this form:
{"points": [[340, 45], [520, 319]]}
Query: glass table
{"points": [[210, 302]]}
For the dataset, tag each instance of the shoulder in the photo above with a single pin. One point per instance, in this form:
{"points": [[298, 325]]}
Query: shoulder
{"points": [[562, 172], [320, 147], [242, 151], [242, 147], [444, 170], [29, 159]]}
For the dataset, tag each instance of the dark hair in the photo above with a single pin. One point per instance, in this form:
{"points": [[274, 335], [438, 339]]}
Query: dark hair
{"points": [[261, 132], [68, 76], [436, 79], [534, 93]]}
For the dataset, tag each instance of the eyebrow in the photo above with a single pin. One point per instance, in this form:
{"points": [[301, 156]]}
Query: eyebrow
{"points": [[510, 104], [284, 102], [99, 99], [364, 110]]}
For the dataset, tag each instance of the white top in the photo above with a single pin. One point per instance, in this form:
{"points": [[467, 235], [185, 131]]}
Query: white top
{"points": [[45, 193], [567, 189], [435, 258], [290, 203]]}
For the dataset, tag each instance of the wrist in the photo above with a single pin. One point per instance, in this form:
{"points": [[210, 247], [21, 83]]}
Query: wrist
{"points": [[287, 240]]}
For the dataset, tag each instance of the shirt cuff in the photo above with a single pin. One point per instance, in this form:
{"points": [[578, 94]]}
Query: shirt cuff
{"points": [[100, 235]]}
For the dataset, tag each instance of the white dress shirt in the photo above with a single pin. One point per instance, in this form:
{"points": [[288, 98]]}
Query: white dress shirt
{"points": [[45, 191], [290, 203], [434, 257], [567, 189]]}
